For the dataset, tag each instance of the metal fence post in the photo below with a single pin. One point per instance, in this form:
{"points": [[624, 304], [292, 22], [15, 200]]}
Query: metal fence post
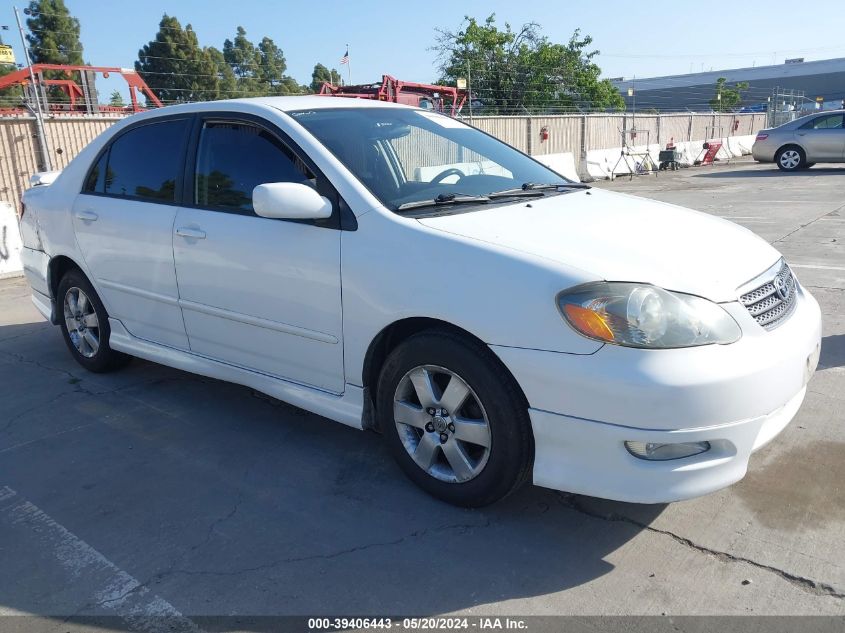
{"points": [[530, 130], [659, 119], [583, 167]]}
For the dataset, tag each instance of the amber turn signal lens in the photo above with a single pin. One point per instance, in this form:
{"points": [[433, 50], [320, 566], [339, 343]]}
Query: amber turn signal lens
{"points": [[587, 322]]}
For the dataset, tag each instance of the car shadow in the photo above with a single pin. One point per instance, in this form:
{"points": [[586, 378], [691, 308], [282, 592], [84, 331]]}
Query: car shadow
{"points": [[833, 351], [774, 172], [221, 500]]}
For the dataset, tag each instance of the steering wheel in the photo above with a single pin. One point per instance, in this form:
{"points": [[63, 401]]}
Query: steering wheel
{"points": [[452, 171]]}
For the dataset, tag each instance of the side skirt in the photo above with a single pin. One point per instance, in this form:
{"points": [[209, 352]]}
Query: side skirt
{"points": [[346, 408]]}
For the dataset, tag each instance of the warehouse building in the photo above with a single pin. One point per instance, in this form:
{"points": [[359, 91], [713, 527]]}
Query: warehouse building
{"points": [[815, 82]]}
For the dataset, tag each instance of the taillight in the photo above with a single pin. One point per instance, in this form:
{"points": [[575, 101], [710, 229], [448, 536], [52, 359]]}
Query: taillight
{"points": [[762, 137]]}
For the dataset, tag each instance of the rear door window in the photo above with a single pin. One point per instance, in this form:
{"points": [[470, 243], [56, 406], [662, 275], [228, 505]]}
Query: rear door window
{"points": [[831, 122], [145, 163]]}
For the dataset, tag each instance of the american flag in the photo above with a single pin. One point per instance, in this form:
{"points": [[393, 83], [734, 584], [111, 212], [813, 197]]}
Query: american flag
{"points": [[345, 58]]}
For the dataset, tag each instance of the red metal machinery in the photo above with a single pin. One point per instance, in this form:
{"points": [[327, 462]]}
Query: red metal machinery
{"points": [[81, 97], [446, 99]]}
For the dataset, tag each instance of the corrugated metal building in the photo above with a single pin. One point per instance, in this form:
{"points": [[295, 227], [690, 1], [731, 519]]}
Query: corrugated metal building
{"points": [[824, 78]]}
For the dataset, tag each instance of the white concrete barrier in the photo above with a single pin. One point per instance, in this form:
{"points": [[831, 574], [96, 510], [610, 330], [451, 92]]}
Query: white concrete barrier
{"points": [[563, 164], [601, 162], [10, 242]]}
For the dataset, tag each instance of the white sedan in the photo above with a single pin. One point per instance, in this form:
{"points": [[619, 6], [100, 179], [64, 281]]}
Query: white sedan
{"points": [[394, 269]]}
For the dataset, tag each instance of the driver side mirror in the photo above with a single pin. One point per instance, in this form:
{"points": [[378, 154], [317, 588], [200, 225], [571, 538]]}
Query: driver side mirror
{"points": [[290, 201]]}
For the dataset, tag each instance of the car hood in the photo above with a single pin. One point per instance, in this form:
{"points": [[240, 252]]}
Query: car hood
{"points": [[618, 237]]}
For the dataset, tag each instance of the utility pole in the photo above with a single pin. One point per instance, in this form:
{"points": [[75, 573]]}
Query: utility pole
{"points": [[39, 115]]}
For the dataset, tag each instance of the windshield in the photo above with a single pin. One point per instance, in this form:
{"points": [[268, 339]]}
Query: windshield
{"points": [[405, 156]]}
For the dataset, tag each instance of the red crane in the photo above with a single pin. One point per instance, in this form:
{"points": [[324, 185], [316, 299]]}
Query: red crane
{"points": [[446, 99], [82, 98]]}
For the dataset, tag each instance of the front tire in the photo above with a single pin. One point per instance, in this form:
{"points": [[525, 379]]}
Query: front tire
{"points": [[85, 325], [454, 419], [791, 158]]}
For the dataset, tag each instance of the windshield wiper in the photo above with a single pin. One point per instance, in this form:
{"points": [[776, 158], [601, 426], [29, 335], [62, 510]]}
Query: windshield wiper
{"points": [[443, 199], [537, 186], [536, 189]]}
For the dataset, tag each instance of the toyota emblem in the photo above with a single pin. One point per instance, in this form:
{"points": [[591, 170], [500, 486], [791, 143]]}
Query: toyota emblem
{"points": [[782, 287]]}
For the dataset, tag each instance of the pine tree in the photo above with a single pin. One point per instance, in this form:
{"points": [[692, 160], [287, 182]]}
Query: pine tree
{"points": [[53, 39], [226, 80], [54, 33], [176, 68], [116, 99], [245, 60], [271, 70], [322, 74]]}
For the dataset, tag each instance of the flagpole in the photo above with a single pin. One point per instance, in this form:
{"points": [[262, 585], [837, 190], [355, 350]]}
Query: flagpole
{"points": [[348, 67]]}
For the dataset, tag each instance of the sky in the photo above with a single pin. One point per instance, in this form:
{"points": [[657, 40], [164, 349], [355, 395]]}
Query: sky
{"points": [[395, 37]]}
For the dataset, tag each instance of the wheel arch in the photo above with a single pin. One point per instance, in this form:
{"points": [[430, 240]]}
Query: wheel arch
{"points": [[790, 145], [394, 334], [58, 266]]}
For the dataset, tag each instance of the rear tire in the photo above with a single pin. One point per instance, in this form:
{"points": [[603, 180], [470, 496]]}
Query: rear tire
{"points": [[791, 158], [85, 325], [807, 165], [454, 419]]}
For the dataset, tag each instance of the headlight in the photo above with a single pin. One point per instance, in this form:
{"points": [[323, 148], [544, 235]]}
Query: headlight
{"points": [[641, 315]]}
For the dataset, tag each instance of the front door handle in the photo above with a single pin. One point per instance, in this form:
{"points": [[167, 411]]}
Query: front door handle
{"points": [[87, 216], [196, 234]]}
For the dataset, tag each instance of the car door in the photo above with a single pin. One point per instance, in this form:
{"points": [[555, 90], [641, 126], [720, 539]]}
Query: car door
{"points": [[123, 220], [823, 138], [263, 294]]}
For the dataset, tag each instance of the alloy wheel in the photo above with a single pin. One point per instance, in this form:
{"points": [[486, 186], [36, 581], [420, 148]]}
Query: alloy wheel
{"points": [[442, 423], [83, 326]]}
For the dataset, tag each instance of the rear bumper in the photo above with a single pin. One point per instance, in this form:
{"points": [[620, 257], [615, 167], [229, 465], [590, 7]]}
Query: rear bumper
{"points": [[35, 267], [737, 397], [763, 152]]}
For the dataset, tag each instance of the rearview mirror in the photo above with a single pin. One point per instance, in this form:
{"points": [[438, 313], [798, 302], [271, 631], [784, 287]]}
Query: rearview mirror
{"points": [[290, 201]]}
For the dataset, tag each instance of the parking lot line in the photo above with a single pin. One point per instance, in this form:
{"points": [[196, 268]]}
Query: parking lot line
{"points": [[816, 266], [119, 592]]}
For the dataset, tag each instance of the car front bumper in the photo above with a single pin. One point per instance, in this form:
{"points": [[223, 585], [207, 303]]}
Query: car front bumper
{"points": [[738, 397]]}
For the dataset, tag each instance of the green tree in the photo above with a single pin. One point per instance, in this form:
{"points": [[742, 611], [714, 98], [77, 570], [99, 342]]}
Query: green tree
{"points": [[727, 97], [10, 97], [321, 75], [245, 61], [176, 68], [521, 71], [53, 33], [53, 39], [227, 83], [116, 99], [271, 67]]}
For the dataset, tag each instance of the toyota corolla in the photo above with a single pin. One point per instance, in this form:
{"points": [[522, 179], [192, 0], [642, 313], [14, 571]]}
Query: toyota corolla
{"points": [[395, 269]]}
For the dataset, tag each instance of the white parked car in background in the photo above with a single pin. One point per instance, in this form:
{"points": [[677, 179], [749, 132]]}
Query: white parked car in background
{"points": [[392, 268]]}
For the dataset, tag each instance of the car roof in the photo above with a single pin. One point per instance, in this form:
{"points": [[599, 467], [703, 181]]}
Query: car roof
{"points": [[285, 104]]}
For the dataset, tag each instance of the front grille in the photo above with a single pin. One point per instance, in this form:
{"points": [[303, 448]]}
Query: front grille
{"points": [[774, 301]]}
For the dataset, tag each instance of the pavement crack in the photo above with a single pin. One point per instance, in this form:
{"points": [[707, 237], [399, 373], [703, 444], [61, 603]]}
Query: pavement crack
{"points": [[805, 584], [806, 224], [460, 527], [28, 361]]}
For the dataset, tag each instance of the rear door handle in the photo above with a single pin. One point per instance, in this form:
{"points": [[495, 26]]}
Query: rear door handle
{"points": [[87, 216], [184, 231]]}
